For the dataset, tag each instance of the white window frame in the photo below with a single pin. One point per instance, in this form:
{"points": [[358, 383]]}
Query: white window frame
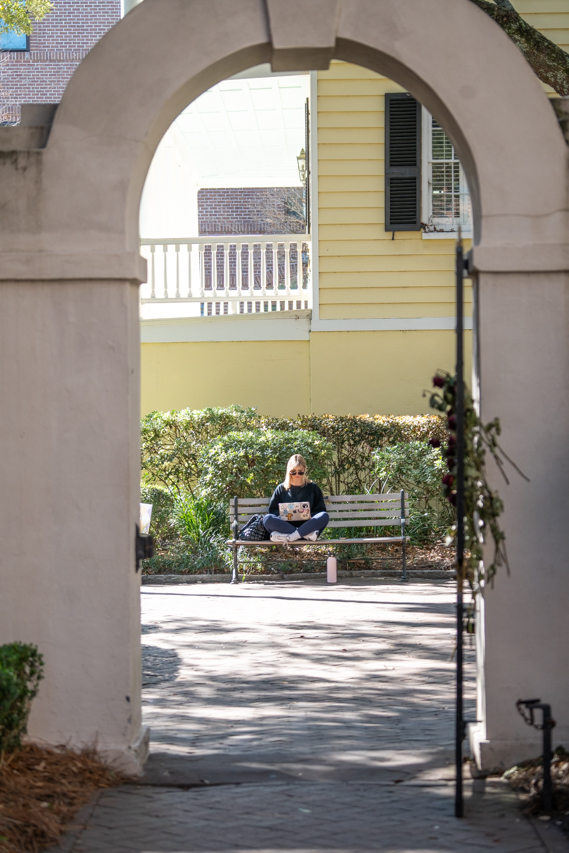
{"points": [[440, 228]]}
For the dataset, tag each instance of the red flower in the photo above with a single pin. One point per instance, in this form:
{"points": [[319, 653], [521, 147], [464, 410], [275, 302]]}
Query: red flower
{"points": [[438, 382], [451, 421], [448, 480], [434, 442]]}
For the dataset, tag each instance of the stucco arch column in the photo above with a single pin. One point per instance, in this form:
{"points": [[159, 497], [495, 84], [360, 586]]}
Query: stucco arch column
{"points": [[69, 274]]}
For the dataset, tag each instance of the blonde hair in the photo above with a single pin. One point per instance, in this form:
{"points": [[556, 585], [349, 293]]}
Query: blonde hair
{"points": [[295, 459]]}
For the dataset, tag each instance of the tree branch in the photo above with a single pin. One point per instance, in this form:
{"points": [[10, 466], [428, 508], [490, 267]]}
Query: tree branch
{"points": [[549, 62]]}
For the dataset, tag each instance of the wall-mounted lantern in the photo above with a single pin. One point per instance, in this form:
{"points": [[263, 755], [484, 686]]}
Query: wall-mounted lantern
{"points": [[301, 161]]}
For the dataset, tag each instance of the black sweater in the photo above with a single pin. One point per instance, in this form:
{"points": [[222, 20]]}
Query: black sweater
{"points": [[310, 492]]}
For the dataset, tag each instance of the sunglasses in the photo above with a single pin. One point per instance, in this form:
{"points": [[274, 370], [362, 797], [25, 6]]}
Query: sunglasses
{"points": [[296, 473]]}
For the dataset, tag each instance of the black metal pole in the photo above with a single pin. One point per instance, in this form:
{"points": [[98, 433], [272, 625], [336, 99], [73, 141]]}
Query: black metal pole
{"points": [[459, 734], [235, 574], [547, 792]]}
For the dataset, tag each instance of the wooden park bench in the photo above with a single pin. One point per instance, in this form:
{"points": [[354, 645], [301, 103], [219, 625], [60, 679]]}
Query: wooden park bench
{"points": [[386, 510]]}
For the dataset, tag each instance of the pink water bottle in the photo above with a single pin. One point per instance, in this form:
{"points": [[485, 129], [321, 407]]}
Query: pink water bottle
{"points": [[331, 570]]}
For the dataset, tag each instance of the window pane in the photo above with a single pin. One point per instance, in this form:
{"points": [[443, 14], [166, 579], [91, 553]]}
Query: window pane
{"points": [[13, 41], [442, 147], [449, 197]]}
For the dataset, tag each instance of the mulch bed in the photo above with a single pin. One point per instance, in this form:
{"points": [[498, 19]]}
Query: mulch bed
{"points": [[527, 780], [297, 560], [40, 791]]}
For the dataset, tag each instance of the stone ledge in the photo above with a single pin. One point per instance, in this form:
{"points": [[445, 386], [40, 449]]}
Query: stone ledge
{"points": [[388, 574]]}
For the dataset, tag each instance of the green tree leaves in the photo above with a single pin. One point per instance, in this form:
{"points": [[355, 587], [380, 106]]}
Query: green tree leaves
{"points": [[19, 15]]}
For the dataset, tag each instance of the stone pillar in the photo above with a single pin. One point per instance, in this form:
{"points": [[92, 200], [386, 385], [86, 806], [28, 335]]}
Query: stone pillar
{"points": [[69, 496], [524, 633]]}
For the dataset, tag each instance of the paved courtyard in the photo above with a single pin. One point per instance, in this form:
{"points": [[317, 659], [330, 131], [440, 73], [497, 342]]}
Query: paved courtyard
{"points": [[303, 717]]}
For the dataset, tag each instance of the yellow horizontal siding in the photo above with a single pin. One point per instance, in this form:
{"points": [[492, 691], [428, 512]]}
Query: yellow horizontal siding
{"points": [[352, 103], [386, 311], [349, 136], [348, 183], [359, 262], [376, 280], [348, 167], [372, 150], [390, 294], [339, 204], [351, 258], [341, 119], [333, 89], [363, 271], [529, 7]]}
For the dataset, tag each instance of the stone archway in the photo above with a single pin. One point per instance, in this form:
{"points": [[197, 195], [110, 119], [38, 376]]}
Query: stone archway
{"points": [[70, 270]]}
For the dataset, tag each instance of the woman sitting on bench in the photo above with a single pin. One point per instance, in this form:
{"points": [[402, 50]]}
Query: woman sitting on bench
{"points": [[297, 509]]}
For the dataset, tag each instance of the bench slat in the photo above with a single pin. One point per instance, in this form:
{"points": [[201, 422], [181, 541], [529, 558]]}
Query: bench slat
{"points": [[387, 496], [304, 542], [342, 510], [370, 522], [350, 521], [377, 510], [371, 507]]}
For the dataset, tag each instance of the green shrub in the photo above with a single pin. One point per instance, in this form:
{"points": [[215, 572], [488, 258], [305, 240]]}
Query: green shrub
{"points": [[418, 469], [171, 442], [200, 522], [21, 670], [354, 438], [250, 464], [161, 525]]}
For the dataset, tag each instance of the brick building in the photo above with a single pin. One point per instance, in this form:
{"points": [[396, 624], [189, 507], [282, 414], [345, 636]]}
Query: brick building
{"points": [[251, 210], [39, 71]]}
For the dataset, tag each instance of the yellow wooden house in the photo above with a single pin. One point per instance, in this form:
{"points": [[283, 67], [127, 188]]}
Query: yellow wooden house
{"points": [[375, 317]]}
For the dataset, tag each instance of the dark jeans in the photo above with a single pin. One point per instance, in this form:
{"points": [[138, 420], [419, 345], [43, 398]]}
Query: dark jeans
{"points": [[317, 522]]}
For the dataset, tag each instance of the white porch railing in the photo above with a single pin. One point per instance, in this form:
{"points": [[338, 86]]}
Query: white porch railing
{"points": [[230, 275]]}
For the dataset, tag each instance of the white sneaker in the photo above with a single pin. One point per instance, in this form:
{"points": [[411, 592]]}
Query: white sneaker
{"points": [[279, 537], [312, 536]]}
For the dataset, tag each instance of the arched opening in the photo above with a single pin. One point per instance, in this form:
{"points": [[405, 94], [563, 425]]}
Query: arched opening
{"points": [[81, 257]]}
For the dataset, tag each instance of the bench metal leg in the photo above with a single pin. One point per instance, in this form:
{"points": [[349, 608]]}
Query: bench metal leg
{"points": [[404, 577], [235, 574]]}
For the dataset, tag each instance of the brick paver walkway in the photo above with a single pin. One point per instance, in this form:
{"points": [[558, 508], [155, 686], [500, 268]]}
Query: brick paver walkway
{"points": [[310, 718]]}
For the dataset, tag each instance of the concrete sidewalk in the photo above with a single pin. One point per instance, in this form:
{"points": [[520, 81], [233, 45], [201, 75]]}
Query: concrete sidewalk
{"points": [[303, 717]]}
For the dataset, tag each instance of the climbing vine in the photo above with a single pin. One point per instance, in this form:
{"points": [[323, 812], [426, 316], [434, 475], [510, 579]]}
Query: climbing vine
{"points": [[482, 504]]}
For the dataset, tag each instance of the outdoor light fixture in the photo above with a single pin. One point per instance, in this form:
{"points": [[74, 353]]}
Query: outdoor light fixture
{"points": [[301, 161]]}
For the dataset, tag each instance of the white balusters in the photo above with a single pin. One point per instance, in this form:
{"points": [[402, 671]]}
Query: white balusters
{"points": [[177, 247], [210, 283], [250, 270], [263, 268], [152, 272]]}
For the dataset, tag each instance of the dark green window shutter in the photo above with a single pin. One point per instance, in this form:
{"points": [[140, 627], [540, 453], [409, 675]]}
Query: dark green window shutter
{"points": [[402, 163]]}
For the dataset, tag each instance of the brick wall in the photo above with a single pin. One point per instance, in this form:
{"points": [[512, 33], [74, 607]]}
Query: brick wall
{"points": [[251, 210], [57, 46]]}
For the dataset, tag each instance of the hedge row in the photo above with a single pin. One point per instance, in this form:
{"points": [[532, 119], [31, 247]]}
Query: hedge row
{"points": [[185, 450]]}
